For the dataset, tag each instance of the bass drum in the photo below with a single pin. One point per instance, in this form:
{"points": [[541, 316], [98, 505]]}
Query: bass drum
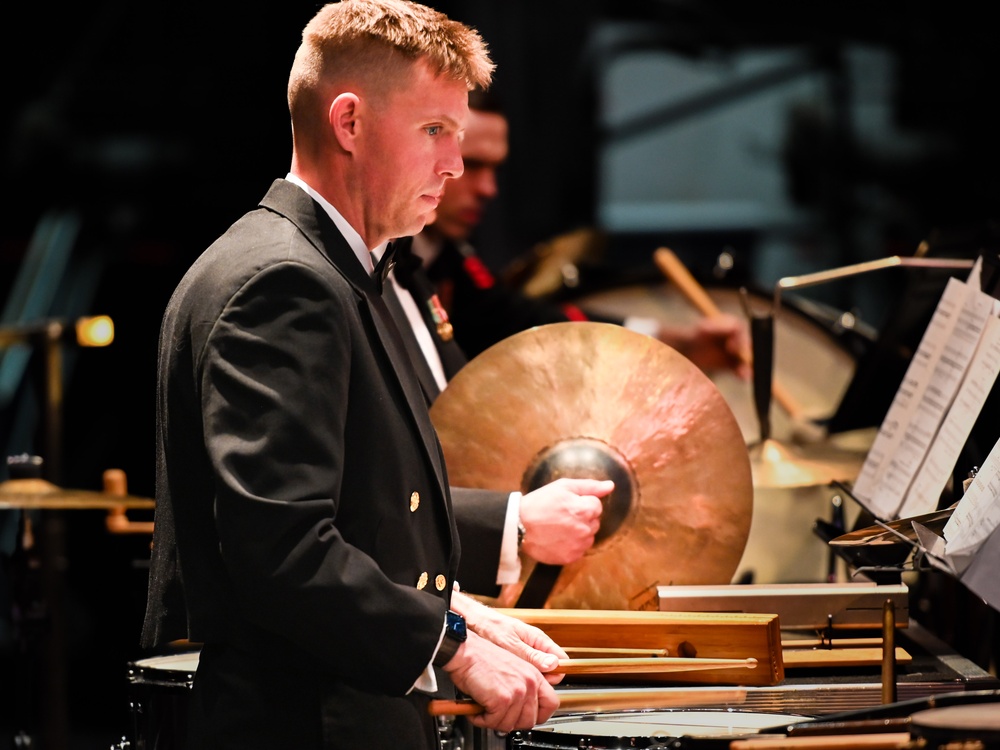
{"points": [[812, 362], [815, 358], [679, 729]]}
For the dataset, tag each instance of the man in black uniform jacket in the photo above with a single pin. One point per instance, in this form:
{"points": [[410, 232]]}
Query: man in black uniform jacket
{"points": [[304, 531]]}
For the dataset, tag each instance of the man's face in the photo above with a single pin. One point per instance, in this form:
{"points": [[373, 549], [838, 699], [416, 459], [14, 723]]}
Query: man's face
{"points": [[409, 149], [484, 149]]}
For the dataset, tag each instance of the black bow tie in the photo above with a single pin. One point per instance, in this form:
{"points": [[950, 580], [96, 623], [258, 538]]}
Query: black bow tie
{"points": [[406, 261], [384, 266]]}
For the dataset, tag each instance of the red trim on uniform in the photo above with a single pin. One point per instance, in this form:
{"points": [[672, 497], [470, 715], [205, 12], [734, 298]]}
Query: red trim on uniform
{"points": [[574, 313], [478, 272]]}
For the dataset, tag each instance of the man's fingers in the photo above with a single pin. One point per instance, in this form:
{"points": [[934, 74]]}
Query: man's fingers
{"points": [[596, 487], [588, 508]]}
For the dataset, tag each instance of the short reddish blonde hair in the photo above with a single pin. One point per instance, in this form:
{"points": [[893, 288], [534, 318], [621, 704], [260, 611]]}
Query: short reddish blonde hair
{"points": [[374, 43]]}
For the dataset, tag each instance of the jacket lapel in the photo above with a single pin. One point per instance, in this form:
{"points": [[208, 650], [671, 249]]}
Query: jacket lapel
{"points": [[293, 203]]}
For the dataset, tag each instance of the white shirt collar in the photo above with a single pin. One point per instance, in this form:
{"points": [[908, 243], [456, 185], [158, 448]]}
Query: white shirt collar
{"points": [[350, 233]]}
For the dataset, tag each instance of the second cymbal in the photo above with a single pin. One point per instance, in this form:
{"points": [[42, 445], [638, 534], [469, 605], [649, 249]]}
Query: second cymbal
{"points": [[32, 493], [839, 458]]}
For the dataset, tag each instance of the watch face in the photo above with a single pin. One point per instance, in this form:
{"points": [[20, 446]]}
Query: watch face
{"points": [[456, 626]]}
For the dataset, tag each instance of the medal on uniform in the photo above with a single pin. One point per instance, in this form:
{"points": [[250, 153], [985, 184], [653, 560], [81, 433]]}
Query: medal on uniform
{"points": [[441, 322]]}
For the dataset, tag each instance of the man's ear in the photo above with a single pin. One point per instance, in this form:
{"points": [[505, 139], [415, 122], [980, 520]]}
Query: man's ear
{"points": [[343, 116]]}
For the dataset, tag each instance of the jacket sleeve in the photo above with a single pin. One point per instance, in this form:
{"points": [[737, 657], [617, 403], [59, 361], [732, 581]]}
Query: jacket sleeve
{"points": [[480, 516]]}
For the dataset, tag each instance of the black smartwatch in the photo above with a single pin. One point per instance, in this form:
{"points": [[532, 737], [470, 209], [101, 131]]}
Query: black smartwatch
{"points": [[454, 636]]}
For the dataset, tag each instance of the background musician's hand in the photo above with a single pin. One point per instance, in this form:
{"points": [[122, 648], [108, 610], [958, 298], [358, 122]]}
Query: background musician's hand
{"points": [[561, 519], [713, 343], [513, 693], [525, 641]]}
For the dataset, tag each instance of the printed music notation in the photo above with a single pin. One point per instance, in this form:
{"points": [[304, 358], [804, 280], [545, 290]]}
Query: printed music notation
{"points": [[969, 545], [937, 468], [936, 405], [978, 512], [929, 421]]}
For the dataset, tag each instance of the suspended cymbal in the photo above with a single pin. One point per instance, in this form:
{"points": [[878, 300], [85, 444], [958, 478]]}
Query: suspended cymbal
{"points": [[597, 400], [29, 494], [778, 464], [551, 261]]}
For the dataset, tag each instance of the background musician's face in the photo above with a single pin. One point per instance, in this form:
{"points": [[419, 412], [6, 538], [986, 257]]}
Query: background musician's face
{"points": [[484, 149]]}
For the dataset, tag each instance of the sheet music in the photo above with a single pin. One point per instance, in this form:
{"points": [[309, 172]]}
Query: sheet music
{"points": [[907, 400], [980, 571], [982, 372], [978, 512], [932, 406]]}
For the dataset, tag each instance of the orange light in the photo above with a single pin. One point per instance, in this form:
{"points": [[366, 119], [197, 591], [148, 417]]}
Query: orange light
{"points": [[98, 330]]}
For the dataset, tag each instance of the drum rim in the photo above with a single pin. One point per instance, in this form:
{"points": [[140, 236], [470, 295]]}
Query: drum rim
{"points": [[543, 730], [161, 672], [801, 306]]}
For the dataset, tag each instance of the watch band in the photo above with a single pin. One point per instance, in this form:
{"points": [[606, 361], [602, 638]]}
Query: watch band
{"points": [[454, 636]]}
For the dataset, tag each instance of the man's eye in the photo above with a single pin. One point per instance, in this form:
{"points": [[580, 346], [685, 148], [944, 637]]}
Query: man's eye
{"points": [[433, 130]]}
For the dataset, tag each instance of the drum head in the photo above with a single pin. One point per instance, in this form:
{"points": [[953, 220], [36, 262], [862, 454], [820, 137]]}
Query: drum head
{"points": [[812, 365], [646, 729], [168, 670]]}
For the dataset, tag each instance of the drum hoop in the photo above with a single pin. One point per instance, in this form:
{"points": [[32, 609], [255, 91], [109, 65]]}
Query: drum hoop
{"points": [[549, 730], [801, 307], [159, 671]]}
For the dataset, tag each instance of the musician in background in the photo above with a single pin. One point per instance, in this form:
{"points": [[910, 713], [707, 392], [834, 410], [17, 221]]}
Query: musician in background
{"points": [[483, 311]]}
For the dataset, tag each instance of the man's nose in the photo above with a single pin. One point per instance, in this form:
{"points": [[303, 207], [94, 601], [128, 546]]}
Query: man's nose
{"points": [[451, 164]]}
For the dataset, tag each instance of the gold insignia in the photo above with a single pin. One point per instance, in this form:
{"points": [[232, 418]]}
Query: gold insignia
{"points": [[440, 316], [440, 582], [422, 581], [414, 501]]}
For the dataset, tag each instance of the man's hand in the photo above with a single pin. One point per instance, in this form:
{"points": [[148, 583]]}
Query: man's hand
{"points": [[713, 343], [514, 694], [561, 519], [509, 633]]}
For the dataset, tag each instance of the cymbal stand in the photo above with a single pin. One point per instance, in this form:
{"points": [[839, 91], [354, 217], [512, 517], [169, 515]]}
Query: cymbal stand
{"points": [[46, 338], [762, 344]]}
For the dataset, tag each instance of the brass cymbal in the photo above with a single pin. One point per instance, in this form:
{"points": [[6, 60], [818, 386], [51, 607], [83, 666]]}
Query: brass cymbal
{"points": [[598, 400], [30, 494], [552, 260], [839, 458]]}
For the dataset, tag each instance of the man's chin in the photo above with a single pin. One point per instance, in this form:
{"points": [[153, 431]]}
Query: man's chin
{"points": [[417, 225]]}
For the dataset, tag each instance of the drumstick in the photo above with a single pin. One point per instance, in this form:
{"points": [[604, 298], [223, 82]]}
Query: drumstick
{"points": [[654, 664], [671, 267], [891, 741], [607, 700], [624, 651]]}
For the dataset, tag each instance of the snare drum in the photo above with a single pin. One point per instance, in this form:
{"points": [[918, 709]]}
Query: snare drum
{"points": [[159, 692], [677, 729]]}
